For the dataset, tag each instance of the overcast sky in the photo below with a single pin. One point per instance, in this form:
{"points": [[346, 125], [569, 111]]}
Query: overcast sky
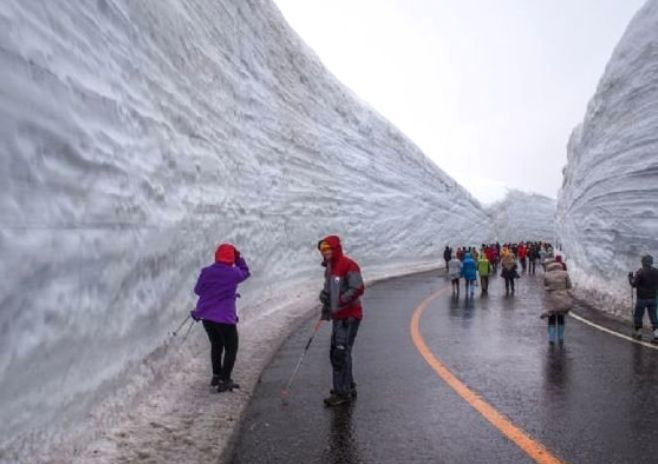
{"points": [[488, 89]]}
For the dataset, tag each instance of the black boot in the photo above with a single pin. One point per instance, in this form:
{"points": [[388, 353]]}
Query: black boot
{"points": [[226, 385], [215, 381]]}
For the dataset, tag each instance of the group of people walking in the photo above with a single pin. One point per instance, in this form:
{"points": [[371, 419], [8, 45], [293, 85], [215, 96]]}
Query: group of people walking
{"points": [[469, 263]]}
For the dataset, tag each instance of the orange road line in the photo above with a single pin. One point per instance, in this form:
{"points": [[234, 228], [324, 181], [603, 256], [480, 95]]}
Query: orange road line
{"points": [[532, 447]]}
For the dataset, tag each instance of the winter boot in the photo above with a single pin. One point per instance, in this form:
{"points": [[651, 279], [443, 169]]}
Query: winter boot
{"points": [[337, 400], [352, 391], [226, 385], [215, 381]]}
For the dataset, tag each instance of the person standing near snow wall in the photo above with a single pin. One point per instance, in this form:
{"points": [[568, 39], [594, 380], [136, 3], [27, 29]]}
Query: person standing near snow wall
{"points": [[217, 289], [645, 281], [341, 303], [557, 284]]}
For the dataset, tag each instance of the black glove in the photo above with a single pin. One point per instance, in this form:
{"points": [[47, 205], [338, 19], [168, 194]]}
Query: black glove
{"points": [[237, 254], [325, 315], [324, 297], [194, 316]]}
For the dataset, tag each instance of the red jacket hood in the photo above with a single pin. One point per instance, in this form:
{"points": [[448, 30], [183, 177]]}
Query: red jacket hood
{"points": [[225, 254], [334, 242]]}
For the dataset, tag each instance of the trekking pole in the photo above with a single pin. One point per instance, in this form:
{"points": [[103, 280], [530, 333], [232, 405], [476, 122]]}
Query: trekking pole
{"points": [[175, 332], [285, 392], [187, 333]]}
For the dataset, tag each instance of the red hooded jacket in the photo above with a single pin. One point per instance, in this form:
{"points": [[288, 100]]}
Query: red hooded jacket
{"points": [[346, 275]]}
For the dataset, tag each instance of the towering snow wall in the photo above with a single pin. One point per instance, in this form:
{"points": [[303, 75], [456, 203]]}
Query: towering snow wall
{"points": [[137, 135], [523, 216], [608, 204]]}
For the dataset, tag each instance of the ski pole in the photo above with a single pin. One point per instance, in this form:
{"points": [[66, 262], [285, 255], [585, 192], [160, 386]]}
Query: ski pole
{"points": [[285, 392], [175, 332], [187, 333]]}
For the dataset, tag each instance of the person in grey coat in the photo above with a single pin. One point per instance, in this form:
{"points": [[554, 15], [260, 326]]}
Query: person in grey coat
{"points": [[557, 284]]}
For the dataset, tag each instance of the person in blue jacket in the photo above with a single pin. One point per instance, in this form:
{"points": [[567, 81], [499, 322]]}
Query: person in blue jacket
{"points": [[469, 272]]}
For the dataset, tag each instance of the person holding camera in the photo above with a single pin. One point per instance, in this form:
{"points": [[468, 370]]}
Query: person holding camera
{"points": [[645, 281], [217, 290]]}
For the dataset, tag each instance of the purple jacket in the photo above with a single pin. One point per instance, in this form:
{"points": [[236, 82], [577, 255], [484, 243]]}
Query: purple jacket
{"points": [[216, 288]]}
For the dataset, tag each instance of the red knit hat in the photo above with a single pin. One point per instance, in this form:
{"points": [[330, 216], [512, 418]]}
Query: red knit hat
{"points": [[225, 254]]}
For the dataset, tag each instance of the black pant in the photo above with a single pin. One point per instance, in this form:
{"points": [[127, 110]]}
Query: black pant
{"points": [[532, 266], [343, 334], [509, 282], [484, 281], [223, 337]]}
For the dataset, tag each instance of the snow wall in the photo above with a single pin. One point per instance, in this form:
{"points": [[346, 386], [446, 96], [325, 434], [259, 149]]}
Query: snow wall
{"points": [[136, 136], [608, 204], [522, 216]]}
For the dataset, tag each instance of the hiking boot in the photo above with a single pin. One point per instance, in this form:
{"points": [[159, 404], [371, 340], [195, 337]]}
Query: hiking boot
{"points": [[337, 400], [352, 391], [215, 381], [226, 385]]}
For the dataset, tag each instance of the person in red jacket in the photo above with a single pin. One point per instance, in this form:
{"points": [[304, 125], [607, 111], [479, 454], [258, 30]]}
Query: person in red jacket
{"points": [[341, 303]]}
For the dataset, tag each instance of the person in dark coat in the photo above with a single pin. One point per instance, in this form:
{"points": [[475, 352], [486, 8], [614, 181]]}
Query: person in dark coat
{"points": [[645, 281], [217, 290], [447, 255]]}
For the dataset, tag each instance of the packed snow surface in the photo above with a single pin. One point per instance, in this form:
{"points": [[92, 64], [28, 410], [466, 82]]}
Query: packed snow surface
{"points": [[608, 204], [522, 216], [136, 136]]}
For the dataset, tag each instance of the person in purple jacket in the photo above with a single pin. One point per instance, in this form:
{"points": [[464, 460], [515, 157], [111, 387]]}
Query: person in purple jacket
{"points": [[216, 288]]}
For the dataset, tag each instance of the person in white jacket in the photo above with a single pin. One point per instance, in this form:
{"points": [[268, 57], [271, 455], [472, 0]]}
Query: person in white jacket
{"points": [[455, 273]]}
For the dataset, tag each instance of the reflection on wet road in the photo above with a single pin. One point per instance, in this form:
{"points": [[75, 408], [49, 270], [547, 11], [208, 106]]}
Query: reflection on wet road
{"points": [[590, 401]]}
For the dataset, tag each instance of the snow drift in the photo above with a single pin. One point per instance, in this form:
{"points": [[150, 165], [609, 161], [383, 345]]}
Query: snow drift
{"points": [[523, 216], [135, 136], [608, 204]]}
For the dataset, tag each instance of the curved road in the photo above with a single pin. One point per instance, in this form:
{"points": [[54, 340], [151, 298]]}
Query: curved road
{"points": [[594, 400]]}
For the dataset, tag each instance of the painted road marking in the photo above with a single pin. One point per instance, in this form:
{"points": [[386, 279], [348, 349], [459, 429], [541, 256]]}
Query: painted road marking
{"points": [[612, 332], [532, 447]]}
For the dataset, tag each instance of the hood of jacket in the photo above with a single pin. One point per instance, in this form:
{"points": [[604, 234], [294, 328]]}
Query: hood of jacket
{"points": [[336, 248]]}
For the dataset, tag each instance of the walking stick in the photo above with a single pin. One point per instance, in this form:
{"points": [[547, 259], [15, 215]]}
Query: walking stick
{"points": [[285, 392], [175, 332]]}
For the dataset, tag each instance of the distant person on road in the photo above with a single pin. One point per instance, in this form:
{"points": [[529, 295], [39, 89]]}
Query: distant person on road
{"points": [[455, 273], [469, 272], [484, 269], [509, 272], [533, 255], [645, 281], [557, 284], [447, 255], [217, 290], [341, 300], [522, 252]]}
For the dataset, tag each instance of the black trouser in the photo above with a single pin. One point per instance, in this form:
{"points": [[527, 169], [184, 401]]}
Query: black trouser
{"points": [[509, 282], [223, 338], [343, 333], [532, 266], [484, 281]]}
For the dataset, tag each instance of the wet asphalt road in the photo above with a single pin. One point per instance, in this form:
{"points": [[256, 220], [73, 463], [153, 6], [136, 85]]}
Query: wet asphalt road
{"points": [[594, 400]]}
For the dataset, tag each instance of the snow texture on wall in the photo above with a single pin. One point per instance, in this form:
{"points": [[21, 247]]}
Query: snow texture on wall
{"points": [[522, 216], [608, 204], [136, 136]]}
